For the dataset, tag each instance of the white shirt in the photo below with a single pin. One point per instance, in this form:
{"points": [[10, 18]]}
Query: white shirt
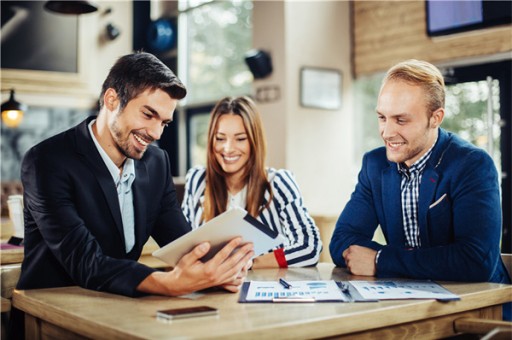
{"points": [[239, 200]]}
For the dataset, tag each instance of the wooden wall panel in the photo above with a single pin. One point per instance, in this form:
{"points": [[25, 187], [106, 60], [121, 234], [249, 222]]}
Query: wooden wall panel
{"points": [[387, 32]]}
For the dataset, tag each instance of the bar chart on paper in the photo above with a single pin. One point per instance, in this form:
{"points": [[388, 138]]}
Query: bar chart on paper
{"points": [[394, 290], [268, 291]]}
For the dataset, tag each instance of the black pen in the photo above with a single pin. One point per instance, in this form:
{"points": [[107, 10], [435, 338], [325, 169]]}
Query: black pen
{"points": [[285, 284], [346, 290]]}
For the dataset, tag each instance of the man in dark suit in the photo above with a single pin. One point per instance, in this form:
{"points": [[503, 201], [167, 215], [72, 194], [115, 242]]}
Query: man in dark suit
{"points": [[95, 193], [435, 196]]}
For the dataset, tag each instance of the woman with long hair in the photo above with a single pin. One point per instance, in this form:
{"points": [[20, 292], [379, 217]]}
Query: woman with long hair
{"points": [[236, 176]]}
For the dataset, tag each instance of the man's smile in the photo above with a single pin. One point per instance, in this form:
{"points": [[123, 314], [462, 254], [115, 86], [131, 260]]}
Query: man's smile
{"points": [[141, 140]]}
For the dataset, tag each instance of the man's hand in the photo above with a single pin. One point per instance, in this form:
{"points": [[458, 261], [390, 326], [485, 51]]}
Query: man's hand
{"points": [[234, 286], [226, 269], [360, 260]]}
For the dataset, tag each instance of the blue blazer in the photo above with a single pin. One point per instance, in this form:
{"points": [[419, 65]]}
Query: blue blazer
{"points": [[459, 216], [73, 226]]}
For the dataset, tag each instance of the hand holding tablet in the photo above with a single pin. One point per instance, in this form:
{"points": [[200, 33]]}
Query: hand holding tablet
{"points": [[218, 232]]}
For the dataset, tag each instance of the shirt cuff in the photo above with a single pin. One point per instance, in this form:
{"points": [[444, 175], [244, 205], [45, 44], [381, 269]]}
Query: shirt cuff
{"points": [[281, 259], [377, 257]]}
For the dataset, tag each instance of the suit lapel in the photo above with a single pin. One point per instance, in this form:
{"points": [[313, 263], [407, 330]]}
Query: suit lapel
{"points": [[85, 146], [428, 187], [391, 202]]}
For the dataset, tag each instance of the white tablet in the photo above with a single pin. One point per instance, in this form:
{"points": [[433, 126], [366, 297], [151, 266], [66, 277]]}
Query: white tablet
{"points": [[219, 231]]}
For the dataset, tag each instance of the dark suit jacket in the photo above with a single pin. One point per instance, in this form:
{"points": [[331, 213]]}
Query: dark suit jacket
{"points": [[459, 216], [73, 227]]}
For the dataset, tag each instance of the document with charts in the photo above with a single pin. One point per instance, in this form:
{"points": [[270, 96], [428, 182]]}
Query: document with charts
{"points": [[307, 291], [393, 290]]}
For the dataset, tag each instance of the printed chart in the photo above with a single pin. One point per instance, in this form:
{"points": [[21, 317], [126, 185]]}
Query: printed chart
{"points": [[308, 290], [392, 290]]}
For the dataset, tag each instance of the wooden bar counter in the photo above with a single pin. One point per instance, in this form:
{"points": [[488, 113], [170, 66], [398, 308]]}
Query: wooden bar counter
{"points": [[76, 312]]}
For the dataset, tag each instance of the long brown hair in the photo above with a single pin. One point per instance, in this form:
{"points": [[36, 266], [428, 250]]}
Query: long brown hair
{"points": [[216, 192]]}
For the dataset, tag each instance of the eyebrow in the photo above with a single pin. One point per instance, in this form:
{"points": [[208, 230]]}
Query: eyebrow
{"points": [[236, 134], [156, 114], [403, 114]]}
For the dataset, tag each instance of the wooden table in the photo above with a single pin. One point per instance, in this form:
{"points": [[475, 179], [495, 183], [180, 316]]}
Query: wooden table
{"points": [[66, 312]]}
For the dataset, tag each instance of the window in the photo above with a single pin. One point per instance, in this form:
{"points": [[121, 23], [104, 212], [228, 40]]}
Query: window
{"points": [[366, 92], [468, 106], [213, 39]]}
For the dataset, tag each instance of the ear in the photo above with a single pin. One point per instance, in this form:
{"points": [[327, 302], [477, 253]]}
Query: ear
{"points": [[110, 99], [437, 118]]}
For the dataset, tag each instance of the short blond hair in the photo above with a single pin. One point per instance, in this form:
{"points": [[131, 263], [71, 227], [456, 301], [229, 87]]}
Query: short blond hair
{"points": [[424, 74]]}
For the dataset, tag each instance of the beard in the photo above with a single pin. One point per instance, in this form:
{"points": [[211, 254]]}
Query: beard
{"points": [[409, 151], [404, 155], [124, 144], [412, 149]]}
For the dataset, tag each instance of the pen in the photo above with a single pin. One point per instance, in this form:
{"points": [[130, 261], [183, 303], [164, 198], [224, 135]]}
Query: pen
{"points": [[285, 284], [346, 290]]}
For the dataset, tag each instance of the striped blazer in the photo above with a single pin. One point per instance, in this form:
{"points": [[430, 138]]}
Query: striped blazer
{"points": [[286, 214]]}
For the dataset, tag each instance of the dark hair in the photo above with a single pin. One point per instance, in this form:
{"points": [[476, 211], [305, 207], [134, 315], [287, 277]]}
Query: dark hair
{"points": [[134, 73]]}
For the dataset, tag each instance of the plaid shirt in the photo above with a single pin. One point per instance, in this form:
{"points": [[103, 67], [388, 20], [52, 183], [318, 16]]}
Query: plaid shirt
{"points": [[410, 188]]}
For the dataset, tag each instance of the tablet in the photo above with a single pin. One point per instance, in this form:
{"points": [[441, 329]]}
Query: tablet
{"points": [[219, 231]]}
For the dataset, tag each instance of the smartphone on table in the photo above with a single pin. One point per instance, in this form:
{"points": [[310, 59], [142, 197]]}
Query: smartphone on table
{"points": [[187, 312]]}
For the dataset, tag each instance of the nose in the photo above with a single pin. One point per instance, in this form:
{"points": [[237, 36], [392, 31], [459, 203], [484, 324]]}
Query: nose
{"points": [[155, 131], [387, 130], [228, 145]]}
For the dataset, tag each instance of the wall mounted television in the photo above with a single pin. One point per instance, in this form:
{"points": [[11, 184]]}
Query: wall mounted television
{"points": [[447, 17]]}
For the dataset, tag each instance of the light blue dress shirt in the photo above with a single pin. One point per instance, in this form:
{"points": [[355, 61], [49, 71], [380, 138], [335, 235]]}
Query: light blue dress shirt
{"points": [[123, 182]]}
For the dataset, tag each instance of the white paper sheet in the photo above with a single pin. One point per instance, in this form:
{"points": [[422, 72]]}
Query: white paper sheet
{"points": [[308, 290], [392, 290]]}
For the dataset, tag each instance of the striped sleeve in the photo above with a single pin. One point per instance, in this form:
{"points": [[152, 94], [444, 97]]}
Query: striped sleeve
{"points": [[195, 182], [304, 243]]}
